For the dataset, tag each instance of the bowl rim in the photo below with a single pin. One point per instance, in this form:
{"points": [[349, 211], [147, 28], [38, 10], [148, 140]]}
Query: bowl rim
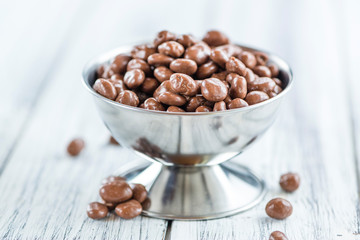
{"points": [[283, 65]]}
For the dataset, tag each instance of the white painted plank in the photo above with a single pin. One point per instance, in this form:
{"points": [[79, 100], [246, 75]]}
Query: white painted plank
{"points": [[312, 135]]}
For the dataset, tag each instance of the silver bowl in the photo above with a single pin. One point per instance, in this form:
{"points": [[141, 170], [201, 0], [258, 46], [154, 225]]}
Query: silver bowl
{"points": [[189, 178]]}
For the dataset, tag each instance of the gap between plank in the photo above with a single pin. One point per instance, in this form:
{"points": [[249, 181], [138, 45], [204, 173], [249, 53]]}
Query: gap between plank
{"points": [[168, 230]]}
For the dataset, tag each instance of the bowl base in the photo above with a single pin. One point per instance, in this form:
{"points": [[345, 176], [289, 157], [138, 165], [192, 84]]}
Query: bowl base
{"points": [[196, 193]]}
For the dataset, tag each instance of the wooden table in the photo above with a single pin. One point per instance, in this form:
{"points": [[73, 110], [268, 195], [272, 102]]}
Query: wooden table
{"points": [[43, 47]]}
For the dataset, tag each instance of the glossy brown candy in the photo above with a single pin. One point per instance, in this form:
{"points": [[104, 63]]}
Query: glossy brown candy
{"points": [[289, 182], [134, 78], [256, 97], [194, 103], [171, 48], [277, 235], [264, 84], [219, 56], [198, 86], [158, 59], [183, 84], [277, 81], [142, 51], [152, 104], [110, 206], [248, 59], [279, 208], [115, 192], [226, 84], [199, 52], [219, 106], [209, 104], [215, 38], [105, 88], [170, 98], [213, 90], [117, 77], [203, 109], [182, 65], [120, 63], [75, 146], [237, 103], [118, 84], [187, 40], [128, 97], [249, 75], [108, 71], [139, 64], [162, 73], [238, 85], [221, 75], [146, 204], [164, 87], [175, 109], [230, 77], [231, 50], [271, 94], [262, 71], [277, 89], [164, 36], [206, 69], [96, 210], [129, 209], [236, 66], [149, 85], [139, 192], [261, 58], [274, 70], [227, 100]]}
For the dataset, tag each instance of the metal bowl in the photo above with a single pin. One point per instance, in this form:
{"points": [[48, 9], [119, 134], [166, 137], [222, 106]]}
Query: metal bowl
{"points": [[195, 140], [186, 138]]}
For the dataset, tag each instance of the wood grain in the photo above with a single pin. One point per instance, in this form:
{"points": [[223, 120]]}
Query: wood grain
{"points": [[44, 192]]}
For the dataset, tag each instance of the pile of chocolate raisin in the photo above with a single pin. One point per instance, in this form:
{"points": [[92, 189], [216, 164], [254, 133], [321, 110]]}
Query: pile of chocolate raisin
{"points": [[178, 73]]}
